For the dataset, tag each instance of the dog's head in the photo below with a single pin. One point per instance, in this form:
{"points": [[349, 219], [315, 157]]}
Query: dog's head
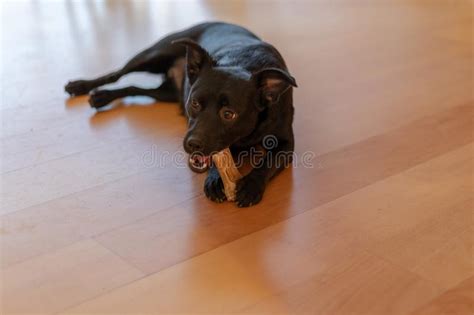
{"points": [[224, 103]]}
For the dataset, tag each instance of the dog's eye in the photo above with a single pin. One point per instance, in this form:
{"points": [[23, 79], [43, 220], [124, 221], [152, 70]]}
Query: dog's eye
{"points": [[227, 114], [195, 105]]}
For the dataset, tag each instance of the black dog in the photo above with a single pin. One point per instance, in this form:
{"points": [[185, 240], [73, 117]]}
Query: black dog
{"points": [[235, 90]]}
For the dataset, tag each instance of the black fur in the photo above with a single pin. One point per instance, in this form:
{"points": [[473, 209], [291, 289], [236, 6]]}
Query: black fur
{"points": [[234, 88]]}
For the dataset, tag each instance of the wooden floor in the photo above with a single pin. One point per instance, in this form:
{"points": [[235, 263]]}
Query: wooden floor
{"points": [[382, 223]]}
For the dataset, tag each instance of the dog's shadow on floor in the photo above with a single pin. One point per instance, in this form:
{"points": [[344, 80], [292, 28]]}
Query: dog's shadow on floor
{"points": [[137, 116]]}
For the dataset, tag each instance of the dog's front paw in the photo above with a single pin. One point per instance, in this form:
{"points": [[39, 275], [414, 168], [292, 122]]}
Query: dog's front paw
{"points": [[250, 190], [214, 188], [100, 98], [79, 87]]}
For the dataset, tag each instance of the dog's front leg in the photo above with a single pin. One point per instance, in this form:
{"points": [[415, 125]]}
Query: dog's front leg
{"points": [[213, 186], [250, 188]]}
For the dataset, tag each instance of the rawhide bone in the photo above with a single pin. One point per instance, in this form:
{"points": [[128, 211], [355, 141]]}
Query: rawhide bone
{"points": [[228, 171]]}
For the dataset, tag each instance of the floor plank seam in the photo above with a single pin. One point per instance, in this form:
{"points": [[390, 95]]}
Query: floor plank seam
{"points": [[88, 149], [275, 223], [469, 104], [146, 170], [92, 237], [301, 213]]}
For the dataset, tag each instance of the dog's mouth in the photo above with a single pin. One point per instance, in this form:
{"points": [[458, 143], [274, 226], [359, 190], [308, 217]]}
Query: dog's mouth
{"points": [[199, 162]]}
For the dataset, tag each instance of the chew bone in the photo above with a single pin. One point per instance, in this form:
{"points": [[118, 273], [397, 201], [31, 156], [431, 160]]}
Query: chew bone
{"points": [[228, 171]]}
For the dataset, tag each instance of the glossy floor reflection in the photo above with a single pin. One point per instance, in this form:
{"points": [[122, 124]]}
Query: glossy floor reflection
{"points": [[95, 218]]}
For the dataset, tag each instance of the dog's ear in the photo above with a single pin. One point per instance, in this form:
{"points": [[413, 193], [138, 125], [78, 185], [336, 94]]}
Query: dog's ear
{"points": [[196, 57], [271, 83]]}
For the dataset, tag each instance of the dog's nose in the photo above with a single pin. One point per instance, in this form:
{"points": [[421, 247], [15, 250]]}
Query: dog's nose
{"points": [[195, 144]]}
